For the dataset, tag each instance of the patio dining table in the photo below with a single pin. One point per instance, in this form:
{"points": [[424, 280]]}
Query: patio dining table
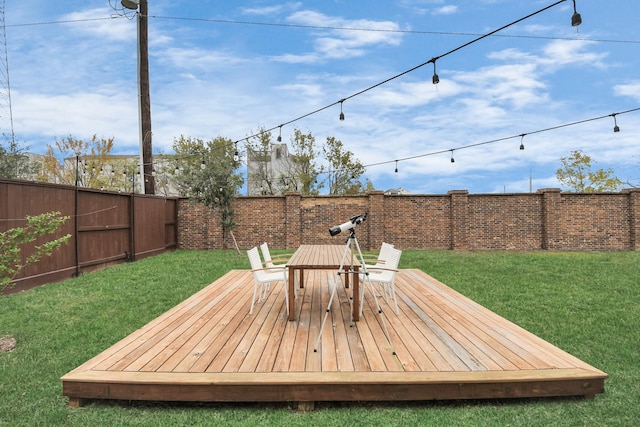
{"points": [[323, 257]]}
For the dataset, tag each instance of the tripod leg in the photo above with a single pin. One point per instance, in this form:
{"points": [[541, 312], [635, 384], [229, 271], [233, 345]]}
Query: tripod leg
{"points": [[326, 314], [375, 298]]}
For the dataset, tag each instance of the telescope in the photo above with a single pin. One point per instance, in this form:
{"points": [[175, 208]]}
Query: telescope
{"points": [[356, 220]]}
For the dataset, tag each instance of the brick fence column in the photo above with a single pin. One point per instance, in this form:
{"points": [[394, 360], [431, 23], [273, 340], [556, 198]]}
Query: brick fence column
{"points": [[634, 218], [193, 225], [551, 199], [375, 219], [459, 219], [292, 220]]}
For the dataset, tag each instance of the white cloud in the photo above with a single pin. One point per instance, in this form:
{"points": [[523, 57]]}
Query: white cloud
{"points": [[199, 58], [117, 28], [631, 89], [271, 10], [445, 10], [350, 41], [290, 58], [301, 90], [83, 115], [565, 52]]}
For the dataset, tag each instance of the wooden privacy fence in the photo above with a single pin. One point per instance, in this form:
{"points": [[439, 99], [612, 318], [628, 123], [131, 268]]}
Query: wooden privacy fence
{"points": [[105, 227]]}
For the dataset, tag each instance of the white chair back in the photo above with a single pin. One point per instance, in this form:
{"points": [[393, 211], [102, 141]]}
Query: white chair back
{"points": [[264, 276]]}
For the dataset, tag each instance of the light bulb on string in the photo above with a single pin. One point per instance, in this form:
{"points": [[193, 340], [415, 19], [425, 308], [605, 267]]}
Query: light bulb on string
{"points": [[396, 166], [452, 159], [522, 141], [341, 113], [236, 156], [203, 165], [576, 19], [435, 79], [280, 134], [616, 128]]}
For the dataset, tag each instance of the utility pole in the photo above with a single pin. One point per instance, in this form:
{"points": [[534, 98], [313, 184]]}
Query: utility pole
{"points": [[144, 101]]}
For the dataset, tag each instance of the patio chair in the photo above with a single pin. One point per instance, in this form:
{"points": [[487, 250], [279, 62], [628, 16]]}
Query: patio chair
{"points": [[269, 261], [385, 275], [378, 261], [262, 278]]}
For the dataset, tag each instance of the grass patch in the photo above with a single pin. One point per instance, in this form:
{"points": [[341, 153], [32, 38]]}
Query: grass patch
{"points": [[585, 303]]}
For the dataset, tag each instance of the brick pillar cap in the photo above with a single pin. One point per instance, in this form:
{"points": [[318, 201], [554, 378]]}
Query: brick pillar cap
{"points": [[451, 192], [630, 190], [549, 190]]}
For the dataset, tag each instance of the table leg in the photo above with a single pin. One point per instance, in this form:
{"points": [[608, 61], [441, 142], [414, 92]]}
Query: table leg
{"points": [[292, 294], [356, 294]]}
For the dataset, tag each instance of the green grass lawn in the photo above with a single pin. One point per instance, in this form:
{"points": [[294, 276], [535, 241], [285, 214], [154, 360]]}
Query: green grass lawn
{"points": [[585, 303]]}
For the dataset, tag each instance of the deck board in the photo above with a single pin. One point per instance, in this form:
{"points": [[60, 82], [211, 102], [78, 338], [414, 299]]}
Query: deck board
{"points": [[208, 348]]}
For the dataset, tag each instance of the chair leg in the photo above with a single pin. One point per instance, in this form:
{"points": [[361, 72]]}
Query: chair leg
{"points": [[263, 292], [253, 299], [286, 295], [392, 288]]}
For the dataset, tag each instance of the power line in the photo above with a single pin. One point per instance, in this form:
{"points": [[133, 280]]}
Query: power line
{"points": [[65, 21], [329, 28], [384, 30]]}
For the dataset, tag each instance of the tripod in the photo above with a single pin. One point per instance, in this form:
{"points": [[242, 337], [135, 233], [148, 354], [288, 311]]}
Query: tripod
{"points": [[351, 242]]}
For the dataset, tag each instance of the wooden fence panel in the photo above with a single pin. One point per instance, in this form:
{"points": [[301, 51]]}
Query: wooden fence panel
{"points": [[150, 218], [106, 227]]}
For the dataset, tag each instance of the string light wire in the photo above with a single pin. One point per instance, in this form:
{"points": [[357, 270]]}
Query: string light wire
{"points": [[493, 141], [410, 70]]}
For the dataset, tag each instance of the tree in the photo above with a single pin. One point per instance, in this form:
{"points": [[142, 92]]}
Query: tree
{"points": [[83, 163], [13, 241], [208, 173], [14, 164], [345, 170], [576, 173], [303, 169]]}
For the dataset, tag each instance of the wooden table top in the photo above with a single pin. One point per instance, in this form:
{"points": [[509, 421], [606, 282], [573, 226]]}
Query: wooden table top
{"points": [[321, 257]]}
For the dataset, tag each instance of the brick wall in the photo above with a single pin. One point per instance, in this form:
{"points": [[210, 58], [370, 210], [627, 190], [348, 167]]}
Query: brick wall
{"points": [[547, 219]]}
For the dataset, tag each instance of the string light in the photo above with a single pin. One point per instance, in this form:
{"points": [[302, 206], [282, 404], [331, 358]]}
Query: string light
{"points": [[396, 166], [236, 156], [616, 128], [493, 141], [432, 60], [576, 19], [203, 165], [279, 134], [435, 79], [522, 141]]}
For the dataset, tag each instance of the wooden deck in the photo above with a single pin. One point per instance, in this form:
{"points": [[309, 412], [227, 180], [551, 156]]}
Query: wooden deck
{"points": [[209, 349]]}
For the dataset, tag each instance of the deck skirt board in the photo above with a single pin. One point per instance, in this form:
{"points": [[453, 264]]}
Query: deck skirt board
{"points": [[208, 348]]}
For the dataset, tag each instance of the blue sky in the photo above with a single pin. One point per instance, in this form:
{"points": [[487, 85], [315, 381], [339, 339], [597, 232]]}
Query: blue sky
{"points": [[222, 68]]}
